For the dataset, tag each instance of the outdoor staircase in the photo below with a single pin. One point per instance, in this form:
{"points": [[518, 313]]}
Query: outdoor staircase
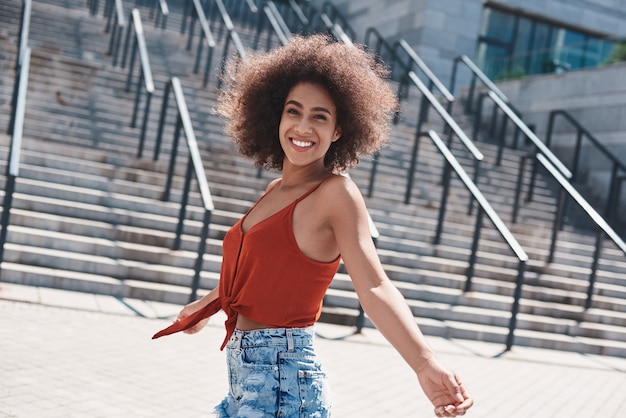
{"points": [[88, 215]]}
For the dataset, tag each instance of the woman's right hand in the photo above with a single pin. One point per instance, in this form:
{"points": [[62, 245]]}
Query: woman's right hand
{"points": [[190, 309]]}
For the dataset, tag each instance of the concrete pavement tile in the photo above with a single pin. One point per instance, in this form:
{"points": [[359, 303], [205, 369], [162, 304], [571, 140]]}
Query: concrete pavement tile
{"points": [[73, 300], [112, 305], [77, 363], [138, 307], [610, 363], [164, 310], [9, 291]]}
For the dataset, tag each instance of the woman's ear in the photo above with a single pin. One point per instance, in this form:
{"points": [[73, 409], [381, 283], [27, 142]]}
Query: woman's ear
{"points": [[337, 134]]}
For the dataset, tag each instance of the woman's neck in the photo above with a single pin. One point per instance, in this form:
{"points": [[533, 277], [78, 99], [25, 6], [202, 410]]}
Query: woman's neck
{"points": [[293, 175]]}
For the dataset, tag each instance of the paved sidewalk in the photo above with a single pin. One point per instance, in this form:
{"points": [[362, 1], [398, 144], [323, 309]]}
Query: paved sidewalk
{"points": [[67, 354]]}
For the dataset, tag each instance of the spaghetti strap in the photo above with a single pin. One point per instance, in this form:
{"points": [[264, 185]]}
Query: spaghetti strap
{"points": [[268, 191], [314, 188]]}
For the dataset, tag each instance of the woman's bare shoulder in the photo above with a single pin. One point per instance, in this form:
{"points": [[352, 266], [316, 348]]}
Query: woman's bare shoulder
{"points": [[272, 184], [341, 191], [338, 183]]}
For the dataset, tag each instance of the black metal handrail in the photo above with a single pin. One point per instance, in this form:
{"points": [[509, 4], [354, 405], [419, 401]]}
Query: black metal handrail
{"points": [[13, 166], [245, 12], [116, 23], [296, 18], [337, 19], [382, 50], [21, 51], [232, 36], [477, 74], [277, 24], [599, 221], [92, 5], [194, 166], [560, 173], [509, 114], [433, 80], [16, 122], [428, 97], [145, 79], [512, 116], [163, 13], [206, 36], [484, 208], [553, 165], [334, 29], [280, 21], [617, 166], [211, 10]]}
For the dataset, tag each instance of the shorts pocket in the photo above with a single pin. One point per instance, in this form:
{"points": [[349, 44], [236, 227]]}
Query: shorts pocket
{"points": [[314, 394], [304, 388], [254, 386]]}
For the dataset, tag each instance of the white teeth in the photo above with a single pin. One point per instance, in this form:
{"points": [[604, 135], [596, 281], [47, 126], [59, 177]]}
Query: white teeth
{"points": [[302, 144]]}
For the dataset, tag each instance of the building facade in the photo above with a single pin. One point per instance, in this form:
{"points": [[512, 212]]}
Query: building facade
{"points": [[505, 38]]}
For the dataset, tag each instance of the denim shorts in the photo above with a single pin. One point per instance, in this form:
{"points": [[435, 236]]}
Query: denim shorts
{"points": [[274, 372]]}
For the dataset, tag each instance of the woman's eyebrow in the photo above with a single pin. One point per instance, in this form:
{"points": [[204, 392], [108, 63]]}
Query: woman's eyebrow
{"points": [[315, 109]]}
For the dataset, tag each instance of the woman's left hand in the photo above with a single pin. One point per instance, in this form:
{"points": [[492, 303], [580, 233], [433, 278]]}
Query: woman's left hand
{"points": [[444, 389]]}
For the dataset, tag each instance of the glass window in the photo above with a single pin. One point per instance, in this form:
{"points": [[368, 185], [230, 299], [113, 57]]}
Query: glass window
{"points": [[496, 61], [520, 59], [513, 45], [541, 55], [572, 50], [499, 27]]}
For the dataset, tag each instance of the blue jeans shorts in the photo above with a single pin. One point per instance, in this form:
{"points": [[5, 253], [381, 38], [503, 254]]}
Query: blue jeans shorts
{"points": [[274, 372]]}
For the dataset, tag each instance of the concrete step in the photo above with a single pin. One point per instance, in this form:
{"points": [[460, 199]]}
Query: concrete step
{"points": [[110, 232], [98, 284], [553, 333], [179, 272]]}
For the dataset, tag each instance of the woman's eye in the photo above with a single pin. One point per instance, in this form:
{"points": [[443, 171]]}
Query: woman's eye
{"points": [[293, 112], [320, 117]]}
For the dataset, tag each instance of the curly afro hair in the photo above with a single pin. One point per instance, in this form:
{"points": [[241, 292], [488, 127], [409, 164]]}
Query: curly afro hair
{"points": [[256, 88]]}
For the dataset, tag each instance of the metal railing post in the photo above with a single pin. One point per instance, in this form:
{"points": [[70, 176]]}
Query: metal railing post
{"points": [[445, 191], [194, 165], [517, 295], [488, 210], [13, 164], [21, 51], [566, 186], [183, 204], [172, 163], [204, 235], [474, 249], [7, 204], [594, 270], [164, 105], [467, 142], [518, 188]]}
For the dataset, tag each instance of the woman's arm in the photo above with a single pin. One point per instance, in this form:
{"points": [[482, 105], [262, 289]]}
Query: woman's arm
{"points": [[384, 304]]}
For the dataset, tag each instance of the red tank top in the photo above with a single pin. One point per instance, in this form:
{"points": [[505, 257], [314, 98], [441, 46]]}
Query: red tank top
{"points": [[265, 276]]}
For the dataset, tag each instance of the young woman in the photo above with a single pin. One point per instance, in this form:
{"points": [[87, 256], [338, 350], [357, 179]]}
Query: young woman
{"points": [[308, 109]]}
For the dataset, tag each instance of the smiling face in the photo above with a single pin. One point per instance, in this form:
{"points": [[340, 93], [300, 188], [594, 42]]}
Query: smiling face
{"points": [[308, 125]]}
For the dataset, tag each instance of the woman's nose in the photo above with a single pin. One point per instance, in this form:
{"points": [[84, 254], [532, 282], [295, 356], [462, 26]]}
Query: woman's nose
{"points": [[303, 127]]}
